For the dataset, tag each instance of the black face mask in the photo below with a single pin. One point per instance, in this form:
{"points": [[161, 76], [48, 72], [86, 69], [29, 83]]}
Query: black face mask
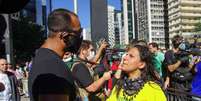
{"points": [[72, 42]]}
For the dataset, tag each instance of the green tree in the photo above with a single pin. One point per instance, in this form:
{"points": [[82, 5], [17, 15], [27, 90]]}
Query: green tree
{"points": [[27, 37], [117, 46], [121, 46], [198, 27]]}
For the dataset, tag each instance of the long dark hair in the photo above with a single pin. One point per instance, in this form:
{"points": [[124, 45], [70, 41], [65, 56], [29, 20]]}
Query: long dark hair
{"points": [[147, 73]]}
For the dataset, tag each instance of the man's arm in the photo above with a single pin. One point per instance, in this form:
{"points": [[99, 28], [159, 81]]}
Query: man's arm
{"points": [[99, 52], [85, 80], [173, 67], [98, 83], [166, 83]]}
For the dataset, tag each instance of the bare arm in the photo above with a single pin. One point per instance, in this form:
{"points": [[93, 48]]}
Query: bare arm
{"points": [[173, 67], [99, 52], [166, 83], [97, 84]]}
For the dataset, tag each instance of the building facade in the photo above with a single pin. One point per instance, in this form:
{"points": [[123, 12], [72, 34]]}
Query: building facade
{"points": [[43, 8], [111, 28], [183, 15], [99, 24], [128, 24], [86, 34], [119, 37], [151, 21]]}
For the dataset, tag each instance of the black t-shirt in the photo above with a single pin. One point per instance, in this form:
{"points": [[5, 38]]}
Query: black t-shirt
{"points": [[82, 75], [171, 58], [49, 75]]}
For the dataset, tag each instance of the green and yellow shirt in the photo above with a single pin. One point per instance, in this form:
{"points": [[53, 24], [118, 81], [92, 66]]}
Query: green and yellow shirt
{"points": [[150, 92]]}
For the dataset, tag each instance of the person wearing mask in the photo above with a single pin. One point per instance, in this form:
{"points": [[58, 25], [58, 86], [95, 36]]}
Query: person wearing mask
{"points": [[49, 79], [68, 59], [176, 62], [138, 79], [86, 81]]}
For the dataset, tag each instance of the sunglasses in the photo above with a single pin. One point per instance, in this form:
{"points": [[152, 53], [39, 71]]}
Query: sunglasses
{"points": [[69, 36], [77, 32]]}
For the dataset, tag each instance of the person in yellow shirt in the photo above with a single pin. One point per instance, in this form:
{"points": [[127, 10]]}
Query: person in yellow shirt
{"points": [[138, 81]]}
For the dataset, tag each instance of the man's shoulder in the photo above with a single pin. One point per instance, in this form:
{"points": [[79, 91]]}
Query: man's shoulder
{"points": [[46, 60], [160, 53], [80, 68], [79, 65], [169, 53], [10, 73], [46, 54]]}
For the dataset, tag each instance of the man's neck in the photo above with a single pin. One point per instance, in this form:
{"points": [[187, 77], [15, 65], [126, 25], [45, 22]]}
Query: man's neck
{"points": [[52, 45]]}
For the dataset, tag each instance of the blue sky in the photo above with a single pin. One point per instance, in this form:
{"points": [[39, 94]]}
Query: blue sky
{"points": [[83, 8]]}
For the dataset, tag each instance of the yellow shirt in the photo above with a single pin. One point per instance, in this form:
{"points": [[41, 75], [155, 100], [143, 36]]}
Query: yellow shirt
{"points": [[150, 92]]}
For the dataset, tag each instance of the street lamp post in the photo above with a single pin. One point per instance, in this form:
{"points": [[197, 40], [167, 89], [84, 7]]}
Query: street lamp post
{"points": [[75, 6], [8, 39]]}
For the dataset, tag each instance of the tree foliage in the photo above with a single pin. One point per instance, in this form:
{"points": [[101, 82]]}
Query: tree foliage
{"points": [[198, 27], [27, 37], [119, 46]]}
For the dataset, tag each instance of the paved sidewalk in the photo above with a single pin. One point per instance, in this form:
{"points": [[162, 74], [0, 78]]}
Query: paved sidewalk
{"points": [[24, 98]]}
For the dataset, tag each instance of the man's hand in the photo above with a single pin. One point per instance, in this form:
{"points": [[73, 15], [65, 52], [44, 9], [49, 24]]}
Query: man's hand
{"points": [[166, 84], [104, 44]]}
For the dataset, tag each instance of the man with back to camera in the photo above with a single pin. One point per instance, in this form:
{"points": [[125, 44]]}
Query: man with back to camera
{"points": [[175, 61], [49, 79]]}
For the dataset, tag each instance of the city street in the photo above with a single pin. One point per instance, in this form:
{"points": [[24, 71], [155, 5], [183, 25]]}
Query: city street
{"points": [[82, 49]]}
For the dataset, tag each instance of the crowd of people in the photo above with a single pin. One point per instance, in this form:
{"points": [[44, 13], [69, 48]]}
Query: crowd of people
{"points": [[64, 68], [13, 81]]}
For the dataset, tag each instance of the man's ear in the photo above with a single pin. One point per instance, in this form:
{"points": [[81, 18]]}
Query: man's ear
{"points": [[60, 34]]}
